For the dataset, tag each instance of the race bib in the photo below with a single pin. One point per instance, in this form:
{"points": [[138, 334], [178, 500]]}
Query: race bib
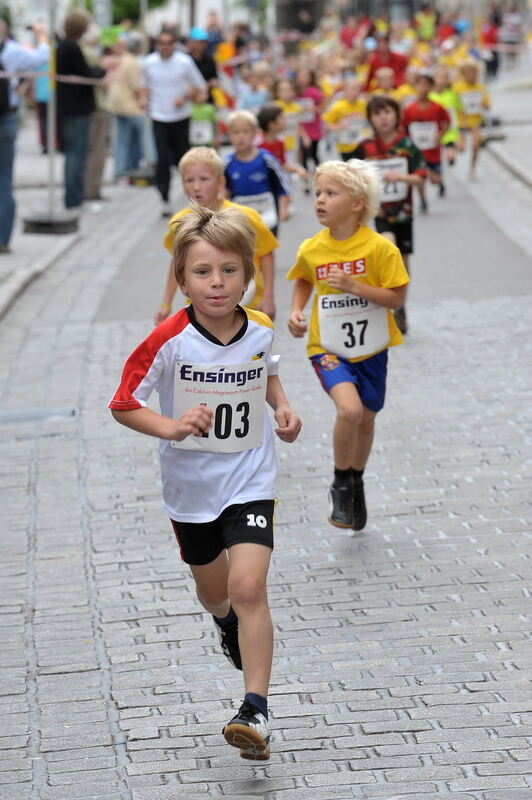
{"points": [[235, 393], [291, 127], [398, 190], [353, 133], [471, 102], [307, 109], [264, 203], [351, 326], [200, 132], [425, 135]]}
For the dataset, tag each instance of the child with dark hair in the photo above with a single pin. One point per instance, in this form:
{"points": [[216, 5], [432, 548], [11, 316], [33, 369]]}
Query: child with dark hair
{"points": [[272, 124], [401, 166]]}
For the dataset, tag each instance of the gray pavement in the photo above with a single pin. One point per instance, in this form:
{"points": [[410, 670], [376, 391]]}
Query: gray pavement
{"points": [[403, 655]]}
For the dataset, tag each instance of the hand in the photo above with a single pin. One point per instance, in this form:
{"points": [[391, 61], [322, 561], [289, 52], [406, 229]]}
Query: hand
{"points": [[267, 306], [337, 279], [284, 213], [302, 172], [162, 313], [179, 102], [194, 422], [392, 176], [39, 29], [306, 141], [289, 424], [297, 324]]}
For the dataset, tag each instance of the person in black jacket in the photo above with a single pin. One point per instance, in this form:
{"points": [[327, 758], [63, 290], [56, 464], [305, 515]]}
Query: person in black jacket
{"points": [[75, 104]]}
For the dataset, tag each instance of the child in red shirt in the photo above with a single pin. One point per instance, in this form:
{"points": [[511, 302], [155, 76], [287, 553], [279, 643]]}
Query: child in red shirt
{"points": [[425, 122]]}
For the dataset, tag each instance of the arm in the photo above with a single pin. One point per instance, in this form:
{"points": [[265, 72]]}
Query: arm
{"points": [[165, 306], [284, 213], [296, 321], [412, 178], [287, 420], [194, 422], [388, 298], [267, 268]]}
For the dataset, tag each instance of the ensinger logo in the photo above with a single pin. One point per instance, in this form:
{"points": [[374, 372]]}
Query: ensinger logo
{"points": [[331, 301], [357, 267], [240, 378]]}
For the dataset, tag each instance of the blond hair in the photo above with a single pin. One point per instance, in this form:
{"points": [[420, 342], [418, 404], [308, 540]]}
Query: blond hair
{"points": [[360, 178], [202, 155], [242, 116], [228, 230]]}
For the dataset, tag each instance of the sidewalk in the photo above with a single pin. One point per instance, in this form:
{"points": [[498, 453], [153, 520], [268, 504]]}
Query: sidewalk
{"points": [[34, 253]]}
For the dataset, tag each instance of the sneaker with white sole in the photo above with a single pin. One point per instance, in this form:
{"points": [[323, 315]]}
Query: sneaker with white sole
{"points": [[229, 643], [249, 732]]}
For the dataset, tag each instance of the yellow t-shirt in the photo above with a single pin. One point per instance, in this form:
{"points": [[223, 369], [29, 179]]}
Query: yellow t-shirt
{"points": [[405, 94], [369, 257], [265, 241], [292, 118], [473, 101], [348, 138]]}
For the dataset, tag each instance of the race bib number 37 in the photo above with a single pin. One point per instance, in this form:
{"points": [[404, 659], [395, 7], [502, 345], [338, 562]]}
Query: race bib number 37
{"points": [[351, 326], [235, 393]]}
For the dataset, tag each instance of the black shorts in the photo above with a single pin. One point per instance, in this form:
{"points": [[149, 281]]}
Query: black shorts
{"points": [[202, 542], [403, 232], [434, 166]]}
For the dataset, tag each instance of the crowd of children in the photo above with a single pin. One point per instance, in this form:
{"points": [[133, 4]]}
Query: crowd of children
{"points": [[212, 362]]}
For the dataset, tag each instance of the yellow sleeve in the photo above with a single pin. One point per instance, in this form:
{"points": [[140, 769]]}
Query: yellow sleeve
{"points": [[486, 100], [168, 240], [391, 266], [265, 241], [301, 268], [333, 114]]}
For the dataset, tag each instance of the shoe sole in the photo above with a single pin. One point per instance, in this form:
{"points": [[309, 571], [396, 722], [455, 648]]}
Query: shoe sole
{"points": [[247, 740], [339, 524], [255, 755]]}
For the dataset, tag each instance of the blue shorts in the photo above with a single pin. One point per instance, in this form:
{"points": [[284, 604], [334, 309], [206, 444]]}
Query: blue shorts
{"points": [[369, 375]]}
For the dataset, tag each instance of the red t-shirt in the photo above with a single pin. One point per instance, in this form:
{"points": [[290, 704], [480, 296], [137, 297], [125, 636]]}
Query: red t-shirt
{"points": [[395, 61], [276, 148], [425, 125]]}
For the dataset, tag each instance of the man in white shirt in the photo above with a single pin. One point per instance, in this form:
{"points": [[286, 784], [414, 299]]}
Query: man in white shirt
{"points": [[14, 57], [171, 79]]}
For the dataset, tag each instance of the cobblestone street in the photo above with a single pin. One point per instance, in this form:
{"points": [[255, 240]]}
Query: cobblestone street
{"points": [[403, 655]]}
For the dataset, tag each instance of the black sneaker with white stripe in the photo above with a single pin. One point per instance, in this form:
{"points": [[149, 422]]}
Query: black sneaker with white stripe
{"points": [[229, 643], [250, 732]]}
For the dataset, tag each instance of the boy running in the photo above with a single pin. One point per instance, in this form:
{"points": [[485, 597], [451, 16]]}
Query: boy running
{"points": [[212, 366], [426, 122], [401, 167], [357, 276], [202, 173]]}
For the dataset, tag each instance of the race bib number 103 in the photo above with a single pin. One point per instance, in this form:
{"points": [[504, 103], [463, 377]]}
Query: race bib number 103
{"points": [[235, 393]]}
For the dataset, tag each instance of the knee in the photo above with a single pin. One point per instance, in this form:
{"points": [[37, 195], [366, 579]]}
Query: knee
{"points": [[246, 590], [210, 596], [367, 426], [350, 415]]}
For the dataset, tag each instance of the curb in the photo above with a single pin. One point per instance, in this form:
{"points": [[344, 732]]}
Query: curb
{"points": [[509, 164], [21, 278]]}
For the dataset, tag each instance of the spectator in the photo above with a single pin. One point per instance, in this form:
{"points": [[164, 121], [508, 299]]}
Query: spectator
{"points": [[170, 79], [124, 101], [197, 41], [214, 32], [97, 150], [13, 57], [75, 104]]}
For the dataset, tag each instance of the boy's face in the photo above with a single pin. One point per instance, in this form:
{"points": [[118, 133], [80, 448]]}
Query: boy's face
{"points": [[286, 92], [423, 88], [242, 135], [213, 279], [278, 125], [470, 74], [333, 203], [352, 91], [202, 184], [384, 121]]}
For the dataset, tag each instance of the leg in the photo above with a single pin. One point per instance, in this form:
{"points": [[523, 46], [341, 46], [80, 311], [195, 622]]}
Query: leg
{"points": [[75, 140], [475, 147], [121, 144], [364, 439], [164, 158], [95, 163], [8, 134], [248, 570], [211, 585], [349, 413]]}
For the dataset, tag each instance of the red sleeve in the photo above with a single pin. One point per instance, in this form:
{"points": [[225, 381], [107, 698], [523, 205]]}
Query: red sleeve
{"points": [[141, 361]]}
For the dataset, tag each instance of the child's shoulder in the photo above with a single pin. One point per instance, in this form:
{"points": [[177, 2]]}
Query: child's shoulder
{"points": [[258, 317]]}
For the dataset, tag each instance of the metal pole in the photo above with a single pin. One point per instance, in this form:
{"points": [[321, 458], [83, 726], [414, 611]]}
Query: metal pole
{"points": [[51, 118]]}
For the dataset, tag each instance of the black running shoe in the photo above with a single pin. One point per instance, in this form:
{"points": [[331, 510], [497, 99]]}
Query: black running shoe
{"points": [[424, 206], [441, 190], [250, 732], [341, 505], [229, 643], [360, 514]]}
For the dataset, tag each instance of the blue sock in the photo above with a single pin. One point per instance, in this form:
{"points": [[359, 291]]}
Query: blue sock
{"points": [[258, 701]]}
